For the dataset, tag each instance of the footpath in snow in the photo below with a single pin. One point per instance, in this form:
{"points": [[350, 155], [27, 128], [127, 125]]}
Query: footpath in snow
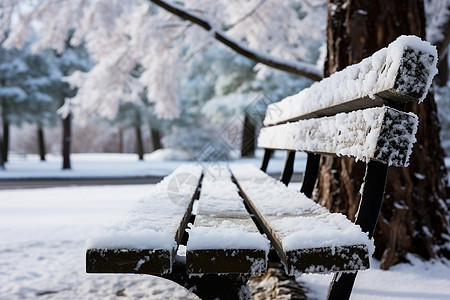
{"points": [[44, 232], [109, 165]]}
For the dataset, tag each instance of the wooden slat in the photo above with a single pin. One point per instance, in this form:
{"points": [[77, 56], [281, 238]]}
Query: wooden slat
{"points": [[383, 134], [224, 238], [154, 262], [306, 236], [146, 241], [392, 76]]}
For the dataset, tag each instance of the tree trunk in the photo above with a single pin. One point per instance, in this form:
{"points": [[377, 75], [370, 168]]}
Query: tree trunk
{"points": [[442, 76], [67, 139], [413, 216], [41, 142], [248, 138], [5, 145], [156, 139], [120, 146], [2, 164], [139, 143]]}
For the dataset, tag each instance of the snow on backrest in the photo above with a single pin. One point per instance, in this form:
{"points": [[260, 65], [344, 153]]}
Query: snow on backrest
{"points": [[402, 72], [382, 133]]}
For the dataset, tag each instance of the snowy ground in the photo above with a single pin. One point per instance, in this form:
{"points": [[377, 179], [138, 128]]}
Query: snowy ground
{"points": [[43, 234], [116, 165]]}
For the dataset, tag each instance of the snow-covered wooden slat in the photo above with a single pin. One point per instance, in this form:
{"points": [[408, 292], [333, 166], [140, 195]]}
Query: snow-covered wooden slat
{"points": [[381, 133], [224, 239], [307, 237], [146, 240], [400, 73]]}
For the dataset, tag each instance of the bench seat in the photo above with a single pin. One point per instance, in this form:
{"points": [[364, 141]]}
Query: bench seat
{"points": [[146, 240], [224, 238], [356, 112], [307, 237]]}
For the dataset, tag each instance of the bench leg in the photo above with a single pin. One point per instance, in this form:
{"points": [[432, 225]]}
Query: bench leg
{"points": [[267, 155], [288, 169], [310, 176], [341, 286], [367, 217], [211, 286]]}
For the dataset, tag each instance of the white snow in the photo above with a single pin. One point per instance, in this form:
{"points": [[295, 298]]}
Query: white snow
{"points": [[418, 280], [297, 221], [43, 236], [103, 165], [110, 165], [155, 219], [377, 73], [211, 230], [360, 134], [43, 242]]}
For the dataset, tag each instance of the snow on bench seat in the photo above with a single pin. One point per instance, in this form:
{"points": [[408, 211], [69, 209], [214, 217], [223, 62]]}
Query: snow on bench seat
{"points": [[400, 73], [382, 133], [307, 237], [146, 240], [224, 238]]}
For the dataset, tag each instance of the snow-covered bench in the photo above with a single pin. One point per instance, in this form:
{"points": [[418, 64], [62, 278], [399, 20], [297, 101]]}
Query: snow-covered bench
{"points": [[242, 213]]}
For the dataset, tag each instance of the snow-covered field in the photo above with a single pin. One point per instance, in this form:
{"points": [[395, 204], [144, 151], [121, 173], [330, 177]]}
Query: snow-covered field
{"points": [[43, 234], [116, 165]]}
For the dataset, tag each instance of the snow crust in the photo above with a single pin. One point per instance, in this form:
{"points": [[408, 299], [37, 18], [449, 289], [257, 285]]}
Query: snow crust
{"points": [[406, 66], [154, 221], [222, 221], [382, 133], [297, 221]]}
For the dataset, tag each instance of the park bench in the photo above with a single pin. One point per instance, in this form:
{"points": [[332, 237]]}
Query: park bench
{"points": [[225, 223]]}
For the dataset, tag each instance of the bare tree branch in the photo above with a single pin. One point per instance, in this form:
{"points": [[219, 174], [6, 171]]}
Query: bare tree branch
{"points": [[303, 69]]}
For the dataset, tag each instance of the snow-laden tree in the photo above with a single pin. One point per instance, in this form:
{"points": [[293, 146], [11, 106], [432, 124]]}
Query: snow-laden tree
{"points": [[11, 94], [192, 133], [25, 86], [71, 60], [121, 34], [32, 87], [239, 94]]}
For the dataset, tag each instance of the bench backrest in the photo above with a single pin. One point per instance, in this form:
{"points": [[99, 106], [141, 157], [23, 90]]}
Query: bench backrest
{"points": [[356, 112], [334, 115]]}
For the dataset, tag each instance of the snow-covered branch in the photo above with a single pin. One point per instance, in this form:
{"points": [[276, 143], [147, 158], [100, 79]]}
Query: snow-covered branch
{"points": [[303, 69]]}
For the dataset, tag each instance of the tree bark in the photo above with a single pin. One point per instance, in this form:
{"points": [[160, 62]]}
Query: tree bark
{"points": [[156, 139], [413, 216], [41, 142], [5, 145], [139, 143], [67, 139], [248, 138]]}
